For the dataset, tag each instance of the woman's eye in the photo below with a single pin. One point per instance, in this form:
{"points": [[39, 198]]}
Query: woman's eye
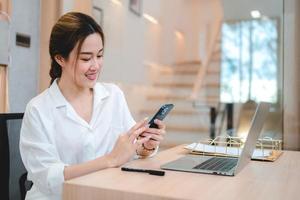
{"points": [[99, 56], [86, 59]]}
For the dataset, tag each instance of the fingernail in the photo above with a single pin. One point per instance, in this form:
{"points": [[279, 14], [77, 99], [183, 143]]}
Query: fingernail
{"points": [[146, 118]]}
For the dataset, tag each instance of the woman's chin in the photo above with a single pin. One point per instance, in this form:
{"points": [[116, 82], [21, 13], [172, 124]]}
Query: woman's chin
{"points": [[91, 84]]}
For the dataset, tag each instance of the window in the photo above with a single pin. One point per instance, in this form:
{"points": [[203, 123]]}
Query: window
{"points": [[250, 64]]}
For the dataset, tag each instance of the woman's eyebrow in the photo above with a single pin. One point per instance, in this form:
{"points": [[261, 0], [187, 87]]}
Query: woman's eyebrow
{"points": [[90, 53]]}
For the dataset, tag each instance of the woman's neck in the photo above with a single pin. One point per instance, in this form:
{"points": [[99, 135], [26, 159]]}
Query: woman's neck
{"points": [[80, 98], [72, 91]]}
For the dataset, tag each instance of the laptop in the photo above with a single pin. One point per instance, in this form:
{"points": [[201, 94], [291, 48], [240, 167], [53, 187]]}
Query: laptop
{"points": [[226, 166]]}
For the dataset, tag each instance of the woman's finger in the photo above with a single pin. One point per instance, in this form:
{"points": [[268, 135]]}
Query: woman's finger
{"points": [[138, 125], [133, 136], [160, 124], [151, 144], [155, 131], [153, 136], [142, 140]]}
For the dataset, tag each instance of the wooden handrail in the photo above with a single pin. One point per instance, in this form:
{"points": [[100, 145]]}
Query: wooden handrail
{"points": [[203, 69]]}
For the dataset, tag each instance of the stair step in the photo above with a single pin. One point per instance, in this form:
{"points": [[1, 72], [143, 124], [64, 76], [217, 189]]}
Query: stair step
{"points": [[213, 70], [179, 104], [173, 112], [185, 85], [185, 63], [173, 98], [176, 85], [216, 57], [187, 72], [173, 94], [185, 128], [177, 138], [169, 98], [181, 72], [186, 81], [198, 117]]}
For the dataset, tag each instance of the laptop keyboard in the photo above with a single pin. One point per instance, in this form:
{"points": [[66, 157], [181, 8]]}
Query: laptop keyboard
{"points": [[218, 164]]}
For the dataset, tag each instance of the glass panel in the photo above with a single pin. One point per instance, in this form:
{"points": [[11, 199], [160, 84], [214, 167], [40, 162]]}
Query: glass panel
{"points": [[161, 55], [251, 64], [250, 61]]}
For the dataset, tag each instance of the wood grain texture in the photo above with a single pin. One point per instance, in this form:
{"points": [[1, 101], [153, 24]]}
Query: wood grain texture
{"points": [[258, 180]]}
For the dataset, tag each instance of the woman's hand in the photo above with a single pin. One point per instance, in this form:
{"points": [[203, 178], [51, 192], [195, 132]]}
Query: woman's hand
{"points": [[156, 135], [127, 144], [122, 152]]}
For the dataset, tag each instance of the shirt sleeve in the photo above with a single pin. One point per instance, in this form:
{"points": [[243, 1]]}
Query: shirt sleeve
{"points": [[39, 154]]}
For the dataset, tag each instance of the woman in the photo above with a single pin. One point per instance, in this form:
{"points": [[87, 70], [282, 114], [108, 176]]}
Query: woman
{"points": [[78, 126]]}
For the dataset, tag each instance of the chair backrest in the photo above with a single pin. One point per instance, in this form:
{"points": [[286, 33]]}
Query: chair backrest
{"points": [[12, 168]]}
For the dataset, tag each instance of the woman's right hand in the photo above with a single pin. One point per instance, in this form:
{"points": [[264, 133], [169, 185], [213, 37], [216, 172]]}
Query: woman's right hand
{"points": [[127, 144]]}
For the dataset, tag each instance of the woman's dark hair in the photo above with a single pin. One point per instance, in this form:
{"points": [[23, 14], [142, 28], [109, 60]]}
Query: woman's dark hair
{"points": [[70, 29]]}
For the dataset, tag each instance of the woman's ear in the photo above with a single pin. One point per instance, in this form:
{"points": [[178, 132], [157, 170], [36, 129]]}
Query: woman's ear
{"points": [[60, 60]]}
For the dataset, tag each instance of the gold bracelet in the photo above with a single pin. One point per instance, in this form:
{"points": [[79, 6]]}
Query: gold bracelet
{"points": [[144, 152], [147, 148]]}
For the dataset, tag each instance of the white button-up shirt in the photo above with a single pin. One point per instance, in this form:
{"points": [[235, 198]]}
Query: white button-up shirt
{"points": [[53, 135]]}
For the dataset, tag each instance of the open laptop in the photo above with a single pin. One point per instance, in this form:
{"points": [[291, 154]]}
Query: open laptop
{"points": [[226, 166]]}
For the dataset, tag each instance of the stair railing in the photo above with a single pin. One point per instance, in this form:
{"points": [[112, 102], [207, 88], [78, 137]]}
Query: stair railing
{"points": [[198, 84]]}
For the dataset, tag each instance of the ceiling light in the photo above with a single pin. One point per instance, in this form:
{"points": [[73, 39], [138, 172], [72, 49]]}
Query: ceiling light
{"points": [[255, 14], [117, 2], [150, 18], [179, 34]]}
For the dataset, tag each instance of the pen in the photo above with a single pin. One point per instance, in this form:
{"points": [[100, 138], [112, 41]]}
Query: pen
{"points": [[149, 171]]}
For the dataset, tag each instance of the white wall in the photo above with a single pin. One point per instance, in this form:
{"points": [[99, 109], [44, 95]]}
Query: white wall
{"points": [[131, 40], [152, 32], [291, 75], [124, 44], [195, 19], [24, 69]]}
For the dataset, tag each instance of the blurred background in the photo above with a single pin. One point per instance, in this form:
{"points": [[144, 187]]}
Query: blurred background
{"points": [[214, 59]]}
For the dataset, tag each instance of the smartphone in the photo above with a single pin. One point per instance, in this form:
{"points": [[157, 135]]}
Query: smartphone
{"points": [[161, 114]]}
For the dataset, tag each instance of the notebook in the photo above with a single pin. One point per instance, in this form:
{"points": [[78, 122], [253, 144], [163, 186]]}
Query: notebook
{"points": [[226, 166]]}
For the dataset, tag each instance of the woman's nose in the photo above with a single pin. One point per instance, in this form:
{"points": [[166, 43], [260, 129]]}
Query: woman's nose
{"points": [[95, 64]]}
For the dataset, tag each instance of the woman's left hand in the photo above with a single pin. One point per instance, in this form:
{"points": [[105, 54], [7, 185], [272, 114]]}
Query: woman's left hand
{"points": [[156, 135]]}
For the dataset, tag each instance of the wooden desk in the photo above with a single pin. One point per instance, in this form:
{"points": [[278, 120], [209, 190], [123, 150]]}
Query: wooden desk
{"points": [[258, 180]]}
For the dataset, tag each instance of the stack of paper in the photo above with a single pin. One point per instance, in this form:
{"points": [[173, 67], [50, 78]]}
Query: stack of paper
{"points": [[260, 154]]}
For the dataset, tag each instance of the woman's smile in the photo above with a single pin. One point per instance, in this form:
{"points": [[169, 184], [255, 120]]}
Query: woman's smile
{"points": [[92, 76]]}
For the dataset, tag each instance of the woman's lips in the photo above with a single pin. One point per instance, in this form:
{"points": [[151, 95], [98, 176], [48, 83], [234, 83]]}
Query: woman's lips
{"points": [[91, 77]]}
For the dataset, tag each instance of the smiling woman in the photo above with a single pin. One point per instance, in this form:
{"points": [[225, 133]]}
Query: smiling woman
{"points": [[78, 125], [68, 33]]}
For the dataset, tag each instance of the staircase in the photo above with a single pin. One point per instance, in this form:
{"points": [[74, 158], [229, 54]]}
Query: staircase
{"points": [[173, 84]]}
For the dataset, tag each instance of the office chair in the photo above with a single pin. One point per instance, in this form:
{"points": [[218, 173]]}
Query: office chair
{"points": [[13, 182]]}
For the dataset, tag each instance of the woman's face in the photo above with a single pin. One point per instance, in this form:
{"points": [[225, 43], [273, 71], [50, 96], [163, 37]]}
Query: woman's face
{"points": [[83, 69]]}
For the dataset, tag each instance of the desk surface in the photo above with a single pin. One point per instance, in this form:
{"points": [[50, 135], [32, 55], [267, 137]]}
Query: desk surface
{"points": [[258, 180]]}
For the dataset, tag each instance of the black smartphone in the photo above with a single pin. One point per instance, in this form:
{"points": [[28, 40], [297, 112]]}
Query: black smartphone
{"points": [[161, 114]]}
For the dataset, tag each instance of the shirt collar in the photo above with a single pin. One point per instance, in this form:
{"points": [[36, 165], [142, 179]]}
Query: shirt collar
{"points": [[100, 92], [58, 97]]}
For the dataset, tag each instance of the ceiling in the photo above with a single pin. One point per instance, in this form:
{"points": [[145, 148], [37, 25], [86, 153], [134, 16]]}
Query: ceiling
{"points": [[240, 9]]}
